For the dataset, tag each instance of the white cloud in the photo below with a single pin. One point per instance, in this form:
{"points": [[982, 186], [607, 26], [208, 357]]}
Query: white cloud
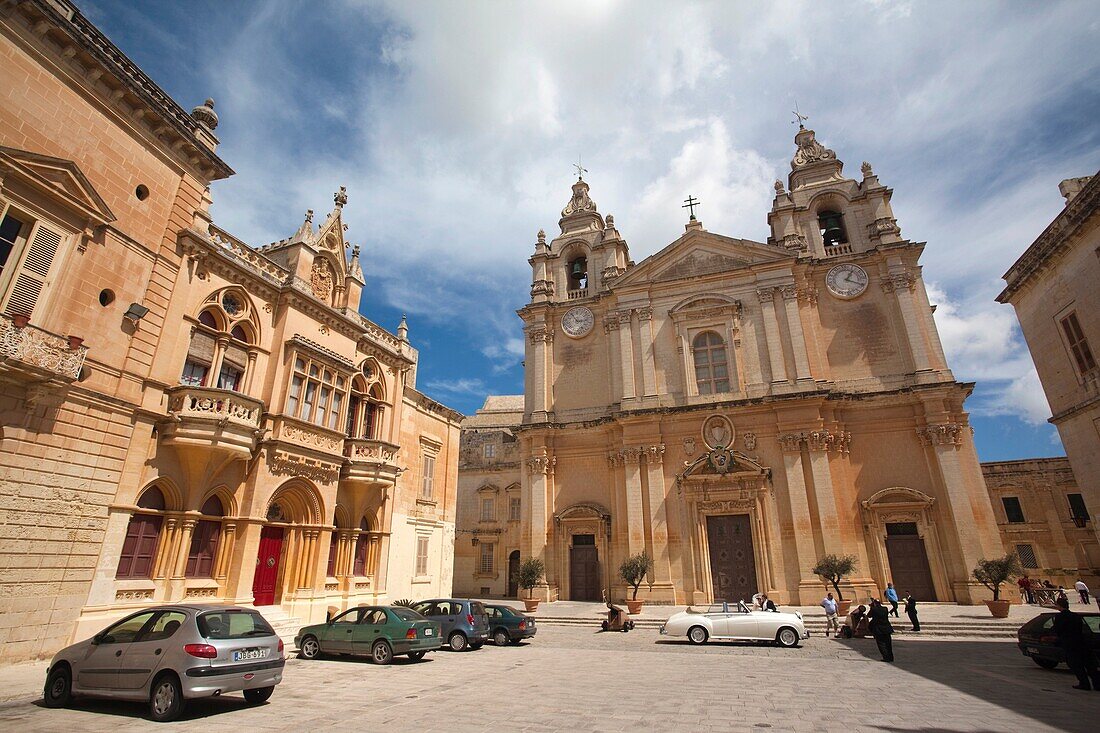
{"points": [[457, 386]]}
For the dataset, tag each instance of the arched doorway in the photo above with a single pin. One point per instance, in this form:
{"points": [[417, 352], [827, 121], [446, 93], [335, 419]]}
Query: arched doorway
{"points": [[582, 533], [286, 557], [513, 574], [903, 542]]}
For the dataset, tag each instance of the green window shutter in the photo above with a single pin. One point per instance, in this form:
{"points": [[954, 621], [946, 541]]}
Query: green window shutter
{"points": [[33, 274]]}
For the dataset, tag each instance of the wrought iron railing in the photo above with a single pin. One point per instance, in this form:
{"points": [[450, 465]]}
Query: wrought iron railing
{"points": [[33, 346]]}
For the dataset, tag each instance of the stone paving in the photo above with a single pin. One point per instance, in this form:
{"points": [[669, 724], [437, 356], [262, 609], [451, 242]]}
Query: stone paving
{"points": [[575, 679]]}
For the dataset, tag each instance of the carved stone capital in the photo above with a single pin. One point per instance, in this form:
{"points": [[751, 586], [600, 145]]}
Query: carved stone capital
{"points": [[791, 442], [885, 225], [941, 434], [610, 323], [828, 440], [545, 335], [541, 464], [795, 243], [542, 287], [765, 294], [611, 273], [789, 292], [655, 454], [624, 316], [644, 314], [899, 281]]}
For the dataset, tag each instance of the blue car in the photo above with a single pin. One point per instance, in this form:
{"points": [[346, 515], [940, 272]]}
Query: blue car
{"points": [[509, 626], [464, 623]]}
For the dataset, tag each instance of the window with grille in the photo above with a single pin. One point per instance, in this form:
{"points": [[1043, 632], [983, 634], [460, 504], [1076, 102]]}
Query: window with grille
{"points": [[422, 556], [486, 564], [427, 476], [488, 509], [711, 365], [1013, 511], [1026, 553], [489, 450], [1078, 345], [514, 507], [1077, 506]]}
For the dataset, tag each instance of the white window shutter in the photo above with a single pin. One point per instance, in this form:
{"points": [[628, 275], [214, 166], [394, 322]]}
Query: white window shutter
{"points": [[33, 274]]}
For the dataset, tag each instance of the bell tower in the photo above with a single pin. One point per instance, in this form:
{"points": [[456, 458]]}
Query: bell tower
{"points": [[825, 214]]}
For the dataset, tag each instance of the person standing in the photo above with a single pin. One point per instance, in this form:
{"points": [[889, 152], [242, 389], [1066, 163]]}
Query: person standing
{"points": [[911, 611], [1025, 589], [881, 629], [1082, 591], [831, 622], [892, 596], [1073, 638]]}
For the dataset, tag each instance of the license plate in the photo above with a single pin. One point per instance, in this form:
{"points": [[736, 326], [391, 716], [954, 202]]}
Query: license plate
{"points": [[244, 654], [429, 632], [1032, 650]]}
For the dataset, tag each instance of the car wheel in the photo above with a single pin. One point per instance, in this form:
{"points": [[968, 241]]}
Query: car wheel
{"points": [[416, 656], [697, 635], [787, 637], [259, 694], [500, 637], [457, 641], [165, 699], [311, 648], [1044, 662], [381, 652], [58, 691]]}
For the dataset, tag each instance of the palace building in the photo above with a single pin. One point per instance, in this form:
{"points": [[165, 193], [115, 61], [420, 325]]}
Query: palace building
{"points": [[184, 416], [735, 409]]}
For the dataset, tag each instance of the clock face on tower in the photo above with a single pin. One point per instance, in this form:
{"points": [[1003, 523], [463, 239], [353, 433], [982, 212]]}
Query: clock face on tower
{"points": [[577, 322], [846, 281]]}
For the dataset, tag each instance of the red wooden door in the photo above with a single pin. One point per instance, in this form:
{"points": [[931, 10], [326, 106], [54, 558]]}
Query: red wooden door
{"points": [[267, 566]]}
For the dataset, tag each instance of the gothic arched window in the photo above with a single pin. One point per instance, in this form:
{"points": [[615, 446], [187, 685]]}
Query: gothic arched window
{"points": [[711, 364], [139, 549], [204, 540], [362, 548], [212, 358]]}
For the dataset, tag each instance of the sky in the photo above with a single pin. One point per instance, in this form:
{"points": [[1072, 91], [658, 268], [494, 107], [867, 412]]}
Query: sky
{"points": [[454, 127]]}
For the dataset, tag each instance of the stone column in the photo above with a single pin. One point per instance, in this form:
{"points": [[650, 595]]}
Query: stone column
{"points": [[626, 355], [540, 338], [820, 442], [771, 334], [649, 372], [798, 338], [539, 467], [774, 543], [632, 471], [166, 549], [658, 529], [249, 372], [221, 343], [225, 550], [902, 284], [802, 525]]}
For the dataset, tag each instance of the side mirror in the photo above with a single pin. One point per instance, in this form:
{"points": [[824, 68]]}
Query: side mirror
{"points": [[97, 639]]}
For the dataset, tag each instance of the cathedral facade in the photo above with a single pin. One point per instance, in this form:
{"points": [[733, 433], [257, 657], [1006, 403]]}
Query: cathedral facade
{"points": [[184, 416], [739, 409]]}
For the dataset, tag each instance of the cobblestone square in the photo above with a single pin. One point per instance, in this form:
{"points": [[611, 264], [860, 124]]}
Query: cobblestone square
{"points": [[575, 679]]}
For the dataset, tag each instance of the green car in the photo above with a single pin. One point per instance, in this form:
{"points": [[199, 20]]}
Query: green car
{"points": [[377, 631]]}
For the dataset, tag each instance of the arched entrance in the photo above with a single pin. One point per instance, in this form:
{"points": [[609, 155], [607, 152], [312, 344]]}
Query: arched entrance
{"points": [[287, 553], [903, 542], [513, 574], [582, 532]]}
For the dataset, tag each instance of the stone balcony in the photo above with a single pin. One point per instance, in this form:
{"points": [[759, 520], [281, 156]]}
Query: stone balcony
{"points": [[215, 422], [34, 355], [370, 462]]}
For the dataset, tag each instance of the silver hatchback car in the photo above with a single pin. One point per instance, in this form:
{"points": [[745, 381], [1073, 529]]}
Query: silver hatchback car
{"points": [[169, 654]]}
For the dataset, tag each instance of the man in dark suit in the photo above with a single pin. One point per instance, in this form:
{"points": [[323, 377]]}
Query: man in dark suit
{"points": [[881, 629], [1075, 639], [767, 604], [911, 611]]}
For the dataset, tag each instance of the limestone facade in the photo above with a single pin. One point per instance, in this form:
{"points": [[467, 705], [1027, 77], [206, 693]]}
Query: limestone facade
{"points": [[1040, 512], [737, 409], [185, 416], [1053, 287]]}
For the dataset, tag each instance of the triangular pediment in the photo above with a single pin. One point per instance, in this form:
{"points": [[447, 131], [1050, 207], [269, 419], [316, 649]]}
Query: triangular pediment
{"points": [[60, 177], [698, 254]]}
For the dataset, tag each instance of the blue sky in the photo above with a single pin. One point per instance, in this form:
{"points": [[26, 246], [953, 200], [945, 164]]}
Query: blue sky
{"points": [[454, 126]]}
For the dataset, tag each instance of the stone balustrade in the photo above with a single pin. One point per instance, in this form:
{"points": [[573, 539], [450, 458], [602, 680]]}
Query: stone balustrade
{"points": [[222, 405], [371, 461], [34, 350]]}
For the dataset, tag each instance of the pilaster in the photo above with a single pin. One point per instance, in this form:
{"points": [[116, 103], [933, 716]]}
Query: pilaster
{"points": [[649, 373], [798, 337], [626, 355], [771, 335]]}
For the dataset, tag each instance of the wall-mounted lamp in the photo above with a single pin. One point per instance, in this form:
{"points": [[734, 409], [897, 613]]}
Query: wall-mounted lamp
{"points": [[475, 541], [135, 313]]}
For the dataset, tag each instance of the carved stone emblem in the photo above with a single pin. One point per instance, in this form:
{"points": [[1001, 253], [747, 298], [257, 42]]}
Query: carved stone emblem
{"points": [[718, 432], [750, 441], [721, 460], [321, 280]]}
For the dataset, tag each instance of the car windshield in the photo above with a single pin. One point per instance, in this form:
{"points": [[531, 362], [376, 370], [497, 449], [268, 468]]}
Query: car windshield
{"points": [[406, 614], [233, 624]]}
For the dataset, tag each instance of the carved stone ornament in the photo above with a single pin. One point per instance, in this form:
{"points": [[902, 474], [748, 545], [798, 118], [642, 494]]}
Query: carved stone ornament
{"points": [[541, 464], [779, 190], [866, 168], [545, 335], [885, 225], [809, 150], [718, 432], [321, 280], [941, 434], [689, 446], [205, 115], [900, 281], [765, 294], [795, 243], [724, 507], [721, 460], [611, 273], [750, 441], [542, 287], [580, 201], [655, 454]]}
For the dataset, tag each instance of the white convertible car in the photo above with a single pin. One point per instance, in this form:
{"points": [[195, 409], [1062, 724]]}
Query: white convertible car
{"points": [[736, 621]]}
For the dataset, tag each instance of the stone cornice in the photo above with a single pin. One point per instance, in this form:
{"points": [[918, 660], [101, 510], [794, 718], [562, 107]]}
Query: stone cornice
{"points": [[1053, 241], [422, 400]]}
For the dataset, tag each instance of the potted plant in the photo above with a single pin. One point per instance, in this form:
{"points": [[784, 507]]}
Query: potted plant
{"points": [[530, 575], [633, 571], [994, 573], [833, 569]]}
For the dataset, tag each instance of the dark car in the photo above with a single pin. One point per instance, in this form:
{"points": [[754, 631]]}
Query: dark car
{"points": [[464, 623], [375, 631], [1037, 640], [507, 625]]}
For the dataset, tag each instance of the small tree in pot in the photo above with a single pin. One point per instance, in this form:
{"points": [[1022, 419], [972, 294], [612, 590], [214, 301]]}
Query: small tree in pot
{"points": [[633, 571], [833, 569], [530, 575], [993, 574]]}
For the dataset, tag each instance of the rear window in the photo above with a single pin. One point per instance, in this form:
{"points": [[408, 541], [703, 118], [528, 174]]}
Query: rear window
{"points": [[233, 624], [406, 614], [1093, 623], [476, 608]]}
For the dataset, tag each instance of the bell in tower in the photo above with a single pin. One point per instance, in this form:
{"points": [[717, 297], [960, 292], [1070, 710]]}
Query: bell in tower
{"points": [[832, 228]]}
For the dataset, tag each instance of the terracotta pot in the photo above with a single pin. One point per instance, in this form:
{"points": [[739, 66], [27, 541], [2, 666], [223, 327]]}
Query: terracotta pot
{"points": [[634, 607], [842, 607], [999, 609], [20, 320], [531, 604], [75, 342]]}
